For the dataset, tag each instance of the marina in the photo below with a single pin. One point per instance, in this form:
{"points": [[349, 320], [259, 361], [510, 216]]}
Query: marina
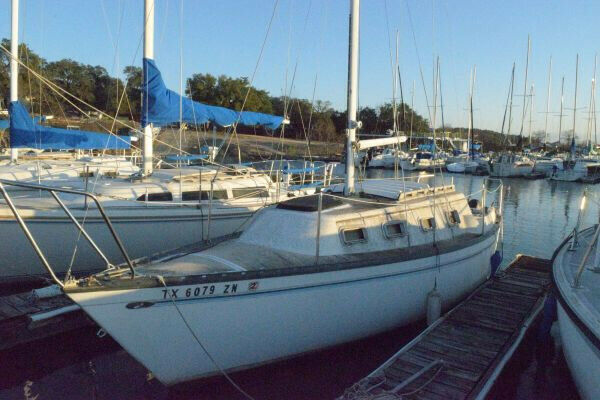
{"points": [[171, 231]]}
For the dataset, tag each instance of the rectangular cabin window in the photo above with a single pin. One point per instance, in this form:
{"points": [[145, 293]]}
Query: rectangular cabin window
{"points": [[205, 195], [354, 235], [163, 196], [259, 191], [454, 217], [394, 229], [427, 224], [88, 174]]}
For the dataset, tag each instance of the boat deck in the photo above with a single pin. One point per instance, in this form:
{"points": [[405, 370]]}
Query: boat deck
{"points": [[461, 355]]}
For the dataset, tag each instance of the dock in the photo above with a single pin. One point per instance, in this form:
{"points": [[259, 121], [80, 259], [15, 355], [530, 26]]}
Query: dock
{"points": [[24, 318], [461, 355]]}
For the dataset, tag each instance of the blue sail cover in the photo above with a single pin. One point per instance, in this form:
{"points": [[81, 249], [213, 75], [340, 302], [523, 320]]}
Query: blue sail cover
{"points": [[25, 132], [160, 106], [4, 123]]}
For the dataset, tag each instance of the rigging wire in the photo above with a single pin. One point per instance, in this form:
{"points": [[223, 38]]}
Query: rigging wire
{"points": [[418, 57], [262, 48]]}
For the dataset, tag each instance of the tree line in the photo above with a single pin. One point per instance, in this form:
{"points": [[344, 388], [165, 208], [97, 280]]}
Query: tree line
{"points": [[316, 120]]}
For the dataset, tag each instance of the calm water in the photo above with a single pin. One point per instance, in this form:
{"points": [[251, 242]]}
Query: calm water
{"points": [[537, 216]]}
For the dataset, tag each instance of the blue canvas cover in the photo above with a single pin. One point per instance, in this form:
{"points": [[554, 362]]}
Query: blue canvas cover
{"points": [[160, 106], [25, 132], [4, 123]]}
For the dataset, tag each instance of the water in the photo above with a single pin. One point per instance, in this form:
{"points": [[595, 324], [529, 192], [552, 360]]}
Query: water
{"points": [[537, 216]]}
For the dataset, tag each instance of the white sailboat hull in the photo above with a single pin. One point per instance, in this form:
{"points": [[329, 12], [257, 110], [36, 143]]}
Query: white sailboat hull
{"points": [[274, 318], [144, 231], [582, 356]]}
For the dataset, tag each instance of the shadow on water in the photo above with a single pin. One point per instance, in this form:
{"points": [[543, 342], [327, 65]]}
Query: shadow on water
{"points": [[79, 365]]}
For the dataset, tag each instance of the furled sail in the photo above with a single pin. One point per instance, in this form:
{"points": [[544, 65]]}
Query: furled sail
{"points": [[25, 132], [161, 106]]}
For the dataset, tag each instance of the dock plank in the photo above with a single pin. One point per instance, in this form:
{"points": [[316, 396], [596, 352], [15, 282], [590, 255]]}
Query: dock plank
{"points": [[474, 339]]}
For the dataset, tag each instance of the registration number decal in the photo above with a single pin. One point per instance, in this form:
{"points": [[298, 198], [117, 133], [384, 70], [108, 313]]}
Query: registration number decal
{"points": [[199, 291]]}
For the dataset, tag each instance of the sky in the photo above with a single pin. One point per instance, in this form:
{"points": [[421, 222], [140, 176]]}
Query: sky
{"points": [[306, 47]]}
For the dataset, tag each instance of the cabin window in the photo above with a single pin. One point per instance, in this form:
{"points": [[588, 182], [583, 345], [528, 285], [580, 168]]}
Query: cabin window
{"points": [[394, 229], [354, 235], [164, 196], [205, 195], [427, 224], [454, 217], [259, 191], [86, 174]]}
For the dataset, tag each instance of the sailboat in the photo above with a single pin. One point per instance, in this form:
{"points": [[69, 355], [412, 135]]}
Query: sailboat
{"points": [[156, 210], [509, 164], [26, 133], [575, 274], [468, 164], [309, 273], [576, 168]]}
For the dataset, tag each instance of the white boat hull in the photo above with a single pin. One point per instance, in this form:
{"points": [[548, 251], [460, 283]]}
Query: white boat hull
{"points": [[582, 356], [283, 316], [144, 231]]}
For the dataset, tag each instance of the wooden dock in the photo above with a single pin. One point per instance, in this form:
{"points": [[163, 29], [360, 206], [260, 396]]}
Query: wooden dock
{"points": [[462, 354], [24, 318]]}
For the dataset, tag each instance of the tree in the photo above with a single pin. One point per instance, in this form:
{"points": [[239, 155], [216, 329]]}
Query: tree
{"points": [[228, 92], [368, 117], [133, 80], [28, 86]]}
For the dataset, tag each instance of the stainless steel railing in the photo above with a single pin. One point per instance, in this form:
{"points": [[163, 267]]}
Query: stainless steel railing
{"points": [[54, 192]]}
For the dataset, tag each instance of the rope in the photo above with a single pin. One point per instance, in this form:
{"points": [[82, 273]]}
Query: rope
{"points": [[211, 358]]}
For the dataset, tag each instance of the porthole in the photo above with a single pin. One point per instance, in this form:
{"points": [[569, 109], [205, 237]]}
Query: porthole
{"points": [[427, 224], [454, 217], [353, 235], [394, 229]]}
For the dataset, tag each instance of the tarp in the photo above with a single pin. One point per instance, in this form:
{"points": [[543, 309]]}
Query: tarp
{"points": [[24, 132], [426, 147], [161, 106]]}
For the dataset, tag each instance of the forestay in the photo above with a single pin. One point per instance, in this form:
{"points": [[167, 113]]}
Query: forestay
{"points": [[162, 106]]}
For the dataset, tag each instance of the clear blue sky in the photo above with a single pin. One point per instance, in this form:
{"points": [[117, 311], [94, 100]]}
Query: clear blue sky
{"points": [[224, 37]]}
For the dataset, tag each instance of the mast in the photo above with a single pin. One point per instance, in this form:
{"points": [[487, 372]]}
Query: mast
{"points": [[575, 106], [562, 100], [412, 113], [14, 64], [548, 103], [525, 89], [149, 54], [531, 95], [592, 107], [470, 132], [512, 91], [352, 93], [395, 84]]}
